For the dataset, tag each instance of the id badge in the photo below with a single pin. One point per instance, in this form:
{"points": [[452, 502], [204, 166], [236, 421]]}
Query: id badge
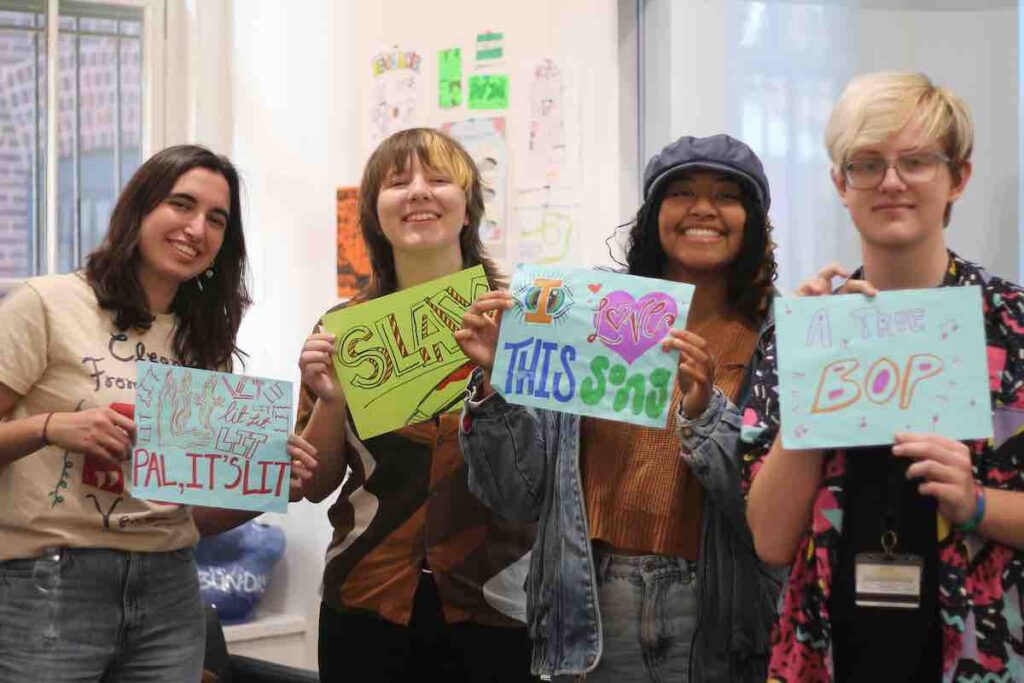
{"points": [[891, 581]]}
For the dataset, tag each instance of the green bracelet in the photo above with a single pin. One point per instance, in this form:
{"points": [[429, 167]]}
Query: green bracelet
{"points": [[979, 511]]}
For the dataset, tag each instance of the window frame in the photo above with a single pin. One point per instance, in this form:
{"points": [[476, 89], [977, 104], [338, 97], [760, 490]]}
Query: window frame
{"points": [[154, 113]]}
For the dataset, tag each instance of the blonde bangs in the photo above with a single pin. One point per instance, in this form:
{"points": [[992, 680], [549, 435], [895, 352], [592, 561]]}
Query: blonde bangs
{"points": [[876, 106], [439, 154]]}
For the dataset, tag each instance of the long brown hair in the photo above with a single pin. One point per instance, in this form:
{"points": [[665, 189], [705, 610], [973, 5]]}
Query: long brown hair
{"points": [[208, 310], [436, 151]]}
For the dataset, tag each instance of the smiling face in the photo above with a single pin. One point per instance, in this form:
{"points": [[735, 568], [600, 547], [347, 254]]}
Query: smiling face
{"points": [[421, 209], [180, 238], [898, 214], [700, 223]]}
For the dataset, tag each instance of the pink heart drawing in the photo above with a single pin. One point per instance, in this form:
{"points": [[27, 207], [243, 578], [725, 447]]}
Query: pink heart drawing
{"points": [[628, 326], [594, 288]]}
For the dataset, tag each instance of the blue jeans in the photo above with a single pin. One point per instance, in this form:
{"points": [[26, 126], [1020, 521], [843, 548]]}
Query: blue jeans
{"points": [[648, 607], [89, 615]]}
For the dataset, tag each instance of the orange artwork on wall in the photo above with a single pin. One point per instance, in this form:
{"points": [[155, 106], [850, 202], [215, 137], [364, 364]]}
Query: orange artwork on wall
{"points": [[353, 261]]}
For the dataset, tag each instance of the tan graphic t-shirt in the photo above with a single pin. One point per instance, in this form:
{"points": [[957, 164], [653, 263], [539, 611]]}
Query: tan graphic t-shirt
{"points": [[62, 353]]}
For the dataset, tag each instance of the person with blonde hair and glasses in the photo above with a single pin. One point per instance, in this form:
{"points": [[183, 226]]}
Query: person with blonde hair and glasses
{"points": [[421, 579], [901, 157]]}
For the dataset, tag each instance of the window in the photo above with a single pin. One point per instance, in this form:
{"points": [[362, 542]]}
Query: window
{"points": [[101, 127]]}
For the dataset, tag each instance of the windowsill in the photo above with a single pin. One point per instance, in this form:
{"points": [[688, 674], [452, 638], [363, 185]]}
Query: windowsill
{"points": [[266, 626]]}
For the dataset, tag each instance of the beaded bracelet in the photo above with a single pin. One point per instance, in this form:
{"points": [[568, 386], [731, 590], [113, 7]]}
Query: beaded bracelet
{"points": [[979, 510]]}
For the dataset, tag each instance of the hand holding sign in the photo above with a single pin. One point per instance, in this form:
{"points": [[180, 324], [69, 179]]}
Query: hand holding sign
{"points": [[696, 370], [304, 463], [945, 466], [99, 433], [316, 366], [822, 285], [478, 337]]}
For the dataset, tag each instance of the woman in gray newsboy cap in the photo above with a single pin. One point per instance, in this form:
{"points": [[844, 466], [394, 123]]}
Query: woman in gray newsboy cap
{"points": [[643, 568]]}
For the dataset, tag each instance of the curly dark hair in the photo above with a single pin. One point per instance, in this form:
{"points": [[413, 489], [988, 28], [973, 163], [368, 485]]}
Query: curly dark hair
{"points": [[208, 317], [434, 150], [751, 275]]}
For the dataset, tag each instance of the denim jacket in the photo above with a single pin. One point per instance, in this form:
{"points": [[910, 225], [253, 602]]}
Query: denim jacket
{"points": [[524, 464]]}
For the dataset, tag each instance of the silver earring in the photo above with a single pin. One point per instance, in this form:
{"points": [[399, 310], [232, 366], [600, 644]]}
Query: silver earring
{"points": [[209, 273]]}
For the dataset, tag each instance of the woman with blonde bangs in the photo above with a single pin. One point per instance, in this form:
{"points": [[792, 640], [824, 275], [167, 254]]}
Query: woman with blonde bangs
{"points": [[900, 149], [404, 586]]}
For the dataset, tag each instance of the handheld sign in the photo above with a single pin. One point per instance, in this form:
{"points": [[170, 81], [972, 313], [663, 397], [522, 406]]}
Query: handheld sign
{"points": [[396, 356], [589, 342], [211, 438], [855, 370]]}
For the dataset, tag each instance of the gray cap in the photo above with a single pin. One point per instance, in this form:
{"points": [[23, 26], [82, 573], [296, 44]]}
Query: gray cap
{"points": [[718, 152]]}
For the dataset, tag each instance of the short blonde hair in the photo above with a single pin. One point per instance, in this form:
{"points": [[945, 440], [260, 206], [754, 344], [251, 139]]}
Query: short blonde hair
{"points": [[874, 106]]}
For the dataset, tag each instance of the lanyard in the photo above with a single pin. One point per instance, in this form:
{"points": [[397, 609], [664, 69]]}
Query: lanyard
{"points": [[891, 505]]}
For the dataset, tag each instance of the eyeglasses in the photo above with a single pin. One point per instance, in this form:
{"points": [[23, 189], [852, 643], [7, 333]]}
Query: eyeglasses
{"points": [[913, 169]]}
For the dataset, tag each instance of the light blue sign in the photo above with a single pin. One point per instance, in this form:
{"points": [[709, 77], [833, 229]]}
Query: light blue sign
{"points": [[211, 438], [589, 342], [854, 370]]}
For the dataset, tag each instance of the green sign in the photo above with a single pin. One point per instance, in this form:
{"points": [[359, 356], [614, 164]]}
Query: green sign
{"points": [[396, 356]]}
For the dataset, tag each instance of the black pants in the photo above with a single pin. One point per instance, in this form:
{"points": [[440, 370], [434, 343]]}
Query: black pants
{"points": [[365, 648]]}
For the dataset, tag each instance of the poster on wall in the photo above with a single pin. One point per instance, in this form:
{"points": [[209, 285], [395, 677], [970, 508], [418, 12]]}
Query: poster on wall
{"points": [[449, 78], [545, 149], [490, 48], [484, 140], [488, 91], [549, 144], [547, 233], [394, 92], [353, 259]]}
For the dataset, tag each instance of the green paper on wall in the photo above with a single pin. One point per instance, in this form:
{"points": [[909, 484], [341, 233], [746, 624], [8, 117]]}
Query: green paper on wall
{"points": [[396, 356], [489, 46], [488, 92], [449, 78]]}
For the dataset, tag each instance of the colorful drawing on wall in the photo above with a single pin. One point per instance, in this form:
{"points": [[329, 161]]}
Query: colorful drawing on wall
{"points": [[546, 142], [488, 91], [353, 259], [211, 438], [854, 371], [484, 140], [396, 356], [449, 78], [490, 48], [546, 234], [394, 92], [589, 342]]}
